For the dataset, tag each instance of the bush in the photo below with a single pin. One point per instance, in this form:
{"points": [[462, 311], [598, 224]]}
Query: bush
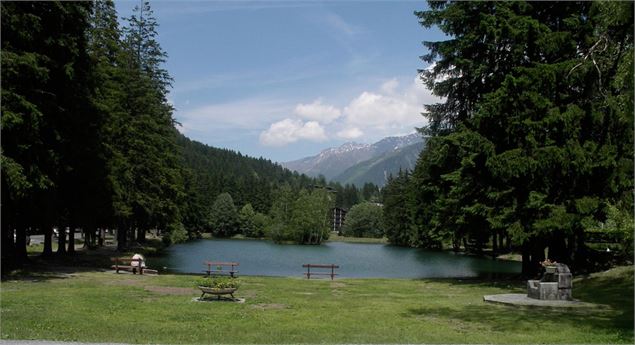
{"points": [[224, 216], [175, 233], [218, 282], [364, 220]]}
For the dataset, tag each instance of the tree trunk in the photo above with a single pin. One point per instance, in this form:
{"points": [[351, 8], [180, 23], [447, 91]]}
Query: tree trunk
{"points": [[131, 234], [456, 244], [526, 266], [122, 237], [100, 239], [501, 239], [61, 240], [71, 240], [581, 260], [20, 245], [8, 246], [141, 235], [558, 249], [86, 236], [494, 245], [537, 252], [48, 241]]}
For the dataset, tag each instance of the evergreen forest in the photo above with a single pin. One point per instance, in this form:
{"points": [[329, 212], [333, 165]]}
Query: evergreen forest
{"points": [[529, 151], [532, 148], [89, 142]]}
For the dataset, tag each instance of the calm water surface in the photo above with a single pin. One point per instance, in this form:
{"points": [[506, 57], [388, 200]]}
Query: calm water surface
{"points": [[356, 260]]}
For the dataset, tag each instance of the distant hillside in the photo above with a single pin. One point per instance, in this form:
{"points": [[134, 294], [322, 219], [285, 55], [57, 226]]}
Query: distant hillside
{"points": [[377, 170], [213, 171], [333, 162]]}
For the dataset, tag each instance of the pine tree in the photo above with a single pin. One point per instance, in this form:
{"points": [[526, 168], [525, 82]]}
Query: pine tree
{"points": [[44, 73], [224, 216], [534, 135], [155, 185], [396, 213], [247, 221]]}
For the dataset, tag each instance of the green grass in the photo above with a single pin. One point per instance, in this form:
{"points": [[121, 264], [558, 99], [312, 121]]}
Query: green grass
{"points": [[338, 238], [106, 307]]}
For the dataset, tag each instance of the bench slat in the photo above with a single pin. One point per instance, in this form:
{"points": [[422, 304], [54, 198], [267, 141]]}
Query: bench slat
{"points": [[321, 274], [214, 263], [320, 266], [125, 259]]}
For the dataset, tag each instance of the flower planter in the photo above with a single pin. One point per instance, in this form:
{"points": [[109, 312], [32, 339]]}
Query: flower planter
{"points": [[550, 269], [216, 291]]}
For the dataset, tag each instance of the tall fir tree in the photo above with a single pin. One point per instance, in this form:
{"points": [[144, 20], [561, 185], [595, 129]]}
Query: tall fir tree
{"points": [[533, 126]]}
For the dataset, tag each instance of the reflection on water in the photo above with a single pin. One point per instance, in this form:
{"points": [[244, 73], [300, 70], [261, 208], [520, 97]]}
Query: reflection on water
{"points": [[356, 260]]}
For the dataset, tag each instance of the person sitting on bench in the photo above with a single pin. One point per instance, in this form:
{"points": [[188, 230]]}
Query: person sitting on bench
{"points": [[138, 261]]}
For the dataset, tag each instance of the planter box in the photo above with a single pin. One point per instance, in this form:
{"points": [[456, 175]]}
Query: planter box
{"points": [[216, 291], [550, 269]]}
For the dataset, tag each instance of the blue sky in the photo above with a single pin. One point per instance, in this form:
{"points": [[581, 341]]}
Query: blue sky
{"points": [[284, 80]]}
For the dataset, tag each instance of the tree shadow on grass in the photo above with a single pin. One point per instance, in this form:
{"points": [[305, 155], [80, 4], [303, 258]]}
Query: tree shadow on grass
{"points": [[615, 291], [56, 266], [60, 266], [513, 319]]}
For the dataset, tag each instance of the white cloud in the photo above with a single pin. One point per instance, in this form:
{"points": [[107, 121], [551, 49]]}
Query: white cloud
{"points": [[317, 111], [390, 86], [350, 133], [389, 110], [393, 108], [254, 113], [288, 131]]}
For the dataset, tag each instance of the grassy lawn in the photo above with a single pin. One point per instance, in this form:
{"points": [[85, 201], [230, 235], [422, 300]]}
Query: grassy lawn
{"points": [[106, 307], [338, 238]]}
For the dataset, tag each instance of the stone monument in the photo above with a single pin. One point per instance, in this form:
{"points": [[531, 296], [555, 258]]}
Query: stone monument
{"points": [[555, 284]]}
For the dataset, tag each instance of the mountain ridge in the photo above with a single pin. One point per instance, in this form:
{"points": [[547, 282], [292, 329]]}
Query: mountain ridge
{"points": [[334, 161]]}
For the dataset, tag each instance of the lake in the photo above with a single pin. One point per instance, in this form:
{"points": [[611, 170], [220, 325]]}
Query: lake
{"points": [[356, 260]]}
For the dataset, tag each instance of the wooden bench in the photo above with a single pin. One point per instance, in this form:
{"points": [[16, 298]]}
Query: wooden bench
{"points": [[232, 272], [120, 265], [332, 267]]}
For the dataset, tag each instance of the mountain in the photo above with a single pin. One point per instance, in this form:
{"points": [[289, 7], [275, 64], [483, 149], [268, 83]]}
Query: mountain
{"points": [[377, 170], [333, 162]]}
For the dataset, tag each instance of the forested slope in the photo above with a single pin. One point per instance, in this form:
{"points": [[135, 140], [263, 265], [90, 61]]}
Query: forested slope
{"points": [[212, 171]]}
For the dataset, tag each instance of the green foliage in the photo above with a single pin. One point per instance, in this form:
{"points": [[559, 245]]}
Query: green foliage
{"points": [[261, 221], [247, 221], [302, 217], [89, 138], [620, 223], [224, 216], [218, 282], [535, 132], [175, 233], [310, 216], [396, 213], [364, 220]]}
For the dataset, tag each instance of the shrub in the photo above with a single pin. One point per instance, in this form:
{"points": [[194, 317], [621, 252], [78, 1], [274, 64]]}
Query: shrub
{"points": [[218, 282], [364, 220]]}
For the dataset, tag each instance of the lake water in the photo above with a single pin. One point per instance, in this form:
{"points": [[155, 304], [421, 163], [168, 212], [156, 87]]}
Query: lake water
{"points": [[356, 260]]}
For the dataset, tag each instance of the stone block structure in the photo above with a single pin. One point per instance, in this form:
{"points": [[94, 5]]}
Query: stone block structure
{"points": [[552, 286]]}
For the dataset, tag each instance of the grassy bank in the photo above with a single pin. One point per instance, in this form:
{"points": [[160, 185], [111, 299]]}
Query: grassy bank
{"points": [[106, 307], [338, 238]]}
